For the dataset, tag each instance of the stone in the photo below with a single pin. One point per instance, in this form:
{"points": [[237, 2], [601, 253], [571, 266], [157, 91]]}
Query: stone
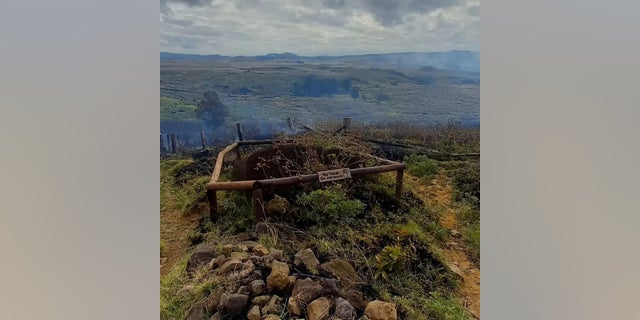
{"points": [[254, 313], [202, 256], [248, 244], [277, 205], [216, 262], [277, 254], [272, 317], [330, 286], [381, 310], [257, 287], [232, 265], [213, 301], [279, 277], [226, 249], [261, 300], [292, 281], [307, 258], [240, 248], [197, 312], [356, 299], [260, 250], [319, 309], [273, 306], [344, 310], [364, 317], [239, 256], [216, 316], [245, 270], [307, 290], [341, 270], [304, 291], [243, 290], [232, 303]]}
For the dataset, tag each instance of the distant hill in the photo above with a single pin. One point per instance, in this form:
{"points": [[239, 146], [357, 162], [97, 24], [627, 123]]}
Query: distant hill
{"points": [[458, 60]]}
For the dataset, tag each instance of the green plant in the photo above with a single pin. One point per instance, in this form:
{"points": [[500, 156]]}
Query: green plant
{"points": [[330, 204], [390, 259], [441, 307], [421, 166]]}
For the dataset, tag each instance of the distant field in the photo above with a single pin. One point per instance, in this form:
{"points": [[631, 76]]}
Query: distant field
{"points": [[174, 109], [264, 92]]}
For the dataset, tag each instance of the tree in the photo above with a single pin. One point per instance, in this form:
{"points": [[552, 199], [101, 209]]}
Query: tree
{"points": [[211, 110]]}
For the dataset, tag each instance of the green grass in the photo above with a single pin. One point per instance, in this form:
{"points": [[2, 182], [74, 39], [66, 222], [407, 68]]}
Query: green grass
{"points": [[182, 184], [178, 293], [173, 109], [421, 166]]}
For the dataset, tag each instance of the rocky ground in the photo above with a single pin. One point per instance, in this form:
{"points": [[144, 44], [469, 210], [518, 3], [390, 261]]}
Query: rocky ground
{"points": [[255, 282]]}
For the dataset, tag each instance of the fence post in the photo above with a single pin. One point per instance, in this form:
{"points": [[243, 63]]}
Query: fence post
{"points": [[258, 208], [399, 178], [346, 123], [173, 143], [204, 140], [213, 205], [163, 148], [239, 132]]}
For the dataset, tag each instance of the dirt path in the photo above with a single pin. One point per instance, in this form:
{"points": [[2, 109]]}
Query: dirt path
{"points": [[175, 228], [438, 195]]}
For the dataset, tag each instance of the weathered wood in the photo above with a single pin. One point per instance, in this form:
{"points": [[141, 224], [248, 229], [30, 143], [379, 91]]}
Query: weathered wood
{"points": [[231, 185], [258, 207], [174, 143], [218, 167], [203, 139], [163, 147], [213, 205], [399, 180], [239, 129]]}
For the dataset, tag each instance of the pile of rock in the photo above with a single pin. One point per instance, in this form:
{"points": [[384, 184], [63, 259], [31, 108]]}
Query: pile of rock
{"points": [[261, 283]]}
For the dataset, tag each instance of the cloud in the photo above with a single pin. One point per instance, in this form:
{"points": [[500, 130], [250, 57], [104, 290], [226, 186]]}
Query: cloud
{"points": [[313, 27]]}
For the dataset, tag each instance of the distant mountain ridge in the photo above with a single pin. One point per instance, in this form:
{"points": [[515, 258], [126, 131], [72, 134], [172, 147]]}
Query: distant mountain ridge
{"points": [[458, 60]]}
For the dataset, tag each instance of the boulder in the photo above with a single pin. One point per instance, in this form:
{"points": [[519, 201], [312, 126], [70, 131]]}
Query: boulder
{"points": [[356, 299], [243, 290], [341, 270], [344, 310], [274, 306], [261, 300], [260, 250], [381, 310], [257, 287], [277, 254], [213, 301], [232, 303], [202, 255], [308, 259], [197, 312], [319, 309], [216, 262], [279, 277], [248, 244], [229, 266], [254, 313], [272, 317], [304, 291], [278, 205], [239, 255]]}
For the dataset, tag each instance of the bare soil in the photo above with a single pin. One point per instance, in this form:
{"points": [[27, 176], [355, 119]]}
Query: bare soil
{"points": [[438, 194]]}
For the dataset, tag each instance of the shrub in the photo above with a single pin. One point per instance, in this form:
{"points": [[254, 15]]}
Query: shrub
{"points": [[330, 204], [422, 166]]}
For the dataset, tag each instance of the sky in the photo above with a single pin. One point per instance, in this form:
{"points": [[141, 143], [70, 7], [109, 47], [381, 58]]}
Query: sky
{"points": [[318, 27]]}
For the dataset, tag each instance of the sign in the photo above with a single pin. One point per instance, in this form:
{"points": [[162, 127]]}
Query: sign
{"points": [[331, 175]]}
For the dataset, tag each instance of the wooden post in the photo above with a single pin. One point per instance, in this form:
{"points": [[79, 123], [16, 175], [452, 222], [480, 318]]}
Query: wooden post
{"points": [[213, 205], [399, 178], [258, 208], [346, 123], [163, 148], [168, 145], [173, 143], [204, 140], [240, 138]]}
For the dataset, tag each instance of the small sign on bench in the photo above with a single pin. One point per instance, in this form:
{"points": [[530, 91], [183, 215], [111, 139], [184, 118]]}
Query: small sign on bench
{"points": [[332, 175]]}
